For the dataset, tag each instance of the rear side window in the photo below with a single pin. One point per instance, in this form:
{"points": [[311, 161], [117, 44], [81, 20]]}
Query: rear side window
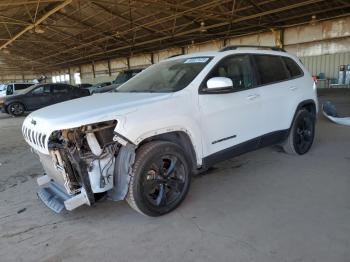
{"points": [[292, 67], [270, 69], [21, 86]]}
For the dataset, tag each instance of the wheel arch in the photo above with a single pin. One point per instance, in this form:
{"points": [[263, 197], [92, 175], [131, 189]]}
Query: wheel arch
{"points": [[180, 138], [309, 105], [15, 101]]}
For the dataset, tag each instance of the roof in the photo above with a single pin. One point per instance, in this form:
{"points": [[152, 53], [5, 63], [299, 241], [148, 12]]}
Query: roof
{"points": [[44, 35]]}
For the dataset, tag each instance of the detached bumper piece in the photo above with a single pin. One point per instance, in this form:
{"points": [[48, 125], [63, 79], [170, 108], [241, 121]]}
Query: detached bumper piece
{"points": [[330, 112], [55, 198]]}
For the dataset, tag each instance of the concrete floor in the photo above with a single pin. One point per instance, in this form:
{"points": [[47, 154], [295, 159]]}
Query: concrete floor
{"points": [[262, 206]]}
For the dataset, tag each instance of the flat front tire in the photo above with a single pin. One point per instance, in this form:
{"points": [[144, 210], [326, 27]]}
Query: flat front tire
{"points": [[160, 178], [301, 135]]}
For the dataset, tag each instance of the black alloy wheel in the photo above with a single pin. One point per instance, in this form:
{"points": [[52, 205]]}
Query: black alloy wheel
{"points": [[16, 109], [160, 178], [164, 181], [304, 134]]}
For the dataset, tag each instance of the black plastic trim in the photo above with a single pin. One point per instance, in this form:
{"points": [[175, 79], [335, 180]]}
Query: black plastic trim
{"points": [[234, 47], [223, 139], [269, 139]]}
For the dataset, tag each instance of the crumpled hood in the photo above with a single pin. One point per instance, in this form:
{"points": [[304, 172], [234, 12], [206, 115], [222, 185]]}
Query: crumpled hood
{"points": [[91, 109]]}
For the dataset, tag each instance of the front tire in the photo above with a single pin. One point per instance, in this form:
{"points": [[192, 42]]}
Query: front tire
{"points": [[301, 135], [15, 109], [160, 178]]}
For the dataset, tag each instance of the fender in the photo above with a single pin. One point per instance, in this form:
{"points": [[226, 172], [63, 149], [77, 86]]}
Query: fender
{"points": [[161, 133]]}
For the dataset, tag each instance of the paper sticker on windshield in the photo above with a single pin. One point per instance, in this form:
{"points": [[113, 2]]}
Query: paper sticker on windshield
{"points": [[196, 60]]}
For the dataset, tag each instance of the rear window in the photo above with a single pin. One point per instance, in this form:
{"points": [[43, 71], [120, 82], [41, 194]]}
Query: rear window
{"points": [[293, 68], [270, 69]]}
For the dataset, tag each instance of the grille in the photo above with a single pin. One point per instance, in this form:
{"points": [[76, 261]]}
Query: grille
{"points": [[34, 138]]}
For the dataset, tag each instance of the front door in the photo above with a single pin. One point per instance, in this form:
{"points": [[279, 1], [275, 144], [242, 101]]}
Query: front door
{"points": [[38, 98], [230, 119]]}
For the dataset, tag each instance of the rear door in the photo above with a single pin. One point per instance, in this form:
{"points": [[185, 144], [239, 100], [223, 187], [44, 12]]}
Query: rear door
{"points": [[61, 93], [38, 97], [277, 92], [230, 119]]}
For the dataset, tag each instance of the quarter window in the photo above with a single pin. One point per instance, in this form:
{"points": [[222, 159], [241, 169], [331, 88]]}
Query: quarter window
{"points": [[237, 68], [270, 68], [293, 68]]}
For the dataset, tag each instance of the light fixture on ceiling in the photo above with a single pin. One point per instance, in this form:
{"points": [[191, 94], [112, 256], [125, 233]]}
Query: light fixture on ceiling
{"points": [[39, 30], [202, 28], [313, 20]]}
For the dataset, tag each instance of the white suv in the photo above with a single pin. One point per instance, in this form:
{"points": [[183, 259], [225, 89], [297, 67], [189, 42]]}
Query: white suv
{"points": [[176, 118]]}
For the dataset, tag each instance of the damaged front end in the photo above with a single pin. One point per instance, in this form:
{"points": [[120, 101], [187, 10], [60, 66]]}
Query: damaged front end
{"points": [[83, 163]]}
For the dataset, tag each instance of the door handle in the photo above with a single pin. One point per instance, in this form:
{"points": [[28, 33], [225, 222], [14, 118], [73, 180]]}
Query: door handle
{"points": [[293, 88], [253, 96]]}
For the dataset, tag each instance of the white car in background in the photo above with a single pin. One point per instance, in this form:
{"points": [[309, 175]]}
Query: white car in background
{"points": [[12, 88], [174, 119]]}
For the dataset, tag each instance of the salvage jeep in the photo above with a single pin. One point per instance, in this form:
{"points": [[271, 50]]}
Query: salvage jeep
{"points": [[176, 118]]}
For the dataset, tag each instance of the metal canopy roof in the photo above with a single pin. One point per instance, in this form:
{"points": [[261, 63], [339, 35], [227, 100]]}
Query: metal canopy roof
{"points": [[44, 35]]}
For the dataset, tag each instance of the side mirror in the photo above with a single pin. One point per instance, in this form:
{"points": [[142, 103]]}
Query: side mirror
{"points": [[217, 84]]}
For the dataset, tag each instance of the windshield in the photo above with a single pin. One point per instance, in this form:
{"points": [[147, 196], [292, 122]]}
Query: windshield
{"points": [[167, 76], [3, 88]]}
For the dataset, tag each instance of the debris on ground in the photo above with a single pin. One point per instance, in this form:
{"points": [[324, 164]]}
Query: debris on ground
{"points": [[21, 210], [330, 112]]}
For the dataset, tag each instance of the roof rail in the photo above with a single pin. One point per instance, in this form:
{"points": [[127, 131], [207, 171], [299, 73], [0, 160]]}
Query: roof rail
{"points": [[234, 47]]}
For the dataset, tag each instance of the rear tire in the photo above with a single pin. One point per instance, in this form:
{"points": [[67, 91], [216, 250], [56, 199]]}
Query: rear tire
{"points": [[160, 178], [301, 135], [15, 109]]}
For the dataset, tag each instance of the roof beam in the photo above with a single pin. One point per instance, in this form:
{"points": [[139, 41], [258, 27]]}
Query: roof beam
{"points": [[237, 20], [121, 17], [16, 3], [38, 22]]}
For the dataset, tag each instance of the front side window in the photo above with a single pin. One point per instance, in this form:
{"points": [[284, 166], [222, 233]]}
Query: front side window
{"points": [[293, 68], [270, 68], [41, 90], [237, 68], [167, 76]]}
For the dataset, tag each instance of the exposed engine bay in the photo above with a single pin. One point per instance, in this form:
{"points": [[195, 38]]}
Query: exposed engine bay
{"points": [[83, 161]]}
